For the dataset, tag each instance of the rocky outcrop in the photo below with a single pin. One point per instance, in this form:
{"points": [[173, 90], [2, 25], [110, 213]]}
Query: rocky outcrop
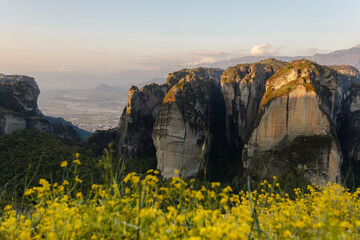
{"points": [[182, 128], [347, 75], [243, 87], [288, 115], [19, 94], [57, 129], [11, 122], [296, 125], [200, 72], [137, 120], [349, 129], [102, 138], [19, 109]]}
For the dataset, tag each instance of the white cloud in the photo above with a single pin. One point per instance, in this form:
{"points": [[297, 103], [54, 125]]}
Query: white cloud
{"points": [[209, 53], [204, 60], [311, 51], [263, 49], [199, 57]]}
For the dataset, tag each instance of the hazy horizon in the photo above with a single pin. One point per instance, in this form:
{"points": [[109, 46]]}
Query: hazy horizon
{"points": [[67, 44]]}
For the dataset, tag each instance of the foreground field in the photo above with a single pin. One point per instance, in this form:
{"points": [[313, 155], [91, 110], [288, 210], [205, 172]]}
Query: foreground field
{"points": [[144, 208]]}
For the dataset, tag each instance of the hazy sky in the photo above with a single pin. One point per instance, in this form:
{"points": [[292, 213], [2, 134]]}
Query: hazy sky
{"points": [[113, 35]]}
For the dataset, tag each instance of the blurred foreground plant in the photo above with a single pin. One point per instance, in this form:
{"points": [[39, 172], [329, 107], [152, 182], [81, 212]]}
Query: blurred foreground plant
{"points": [[145, 207]]}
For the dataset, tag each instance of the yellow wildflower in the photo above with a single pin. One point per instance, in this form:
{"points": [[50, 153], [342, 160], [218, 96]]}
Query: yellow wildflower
{"points": [[78, 180], [64, 164], [215, 184], [287, 233], [79, 195], [77, 161]]}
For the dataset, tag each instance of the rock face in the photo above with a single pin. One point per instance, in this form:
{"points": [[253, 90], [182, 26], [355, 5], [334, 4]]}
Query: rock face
{"points": [[349, 130], [102, 138], [267, 118], [137, 120], [243, 87], [19, 109], [347, 75], [182, 128], [296, 124], [349, 118], [19, 94]]}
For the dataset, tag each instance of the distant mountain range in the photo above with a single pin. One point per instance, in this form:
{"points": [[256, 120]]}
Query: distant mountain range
{"points": [[349, 56], [341, 57], [105, 88]]}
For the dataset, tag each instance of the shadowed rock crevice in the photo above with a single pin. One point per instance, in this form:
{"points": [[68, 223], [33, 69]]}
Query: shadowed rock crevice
{"points": [[243, 87], [137, 119], [349, 135]]}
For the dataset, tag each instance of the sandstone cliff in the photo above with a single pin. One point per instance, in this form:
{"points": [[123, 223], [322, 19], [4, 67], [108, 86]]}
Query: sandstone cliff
{"points": [[182, 128], [19, 109], [243, 87], [200, 72], [349, 129], [296, 124], [137, 120], [288, 115], [19, 94], [347, 75]]}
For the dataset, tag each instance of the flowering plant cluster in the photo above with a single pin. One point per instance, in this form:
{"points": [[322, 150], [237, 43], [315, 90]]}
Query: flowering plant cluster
{"points": [[144, 207]]}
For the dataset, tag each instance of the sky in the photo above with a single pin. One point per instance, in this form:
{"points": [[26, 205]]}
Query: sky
{"points": [[111, 36]]}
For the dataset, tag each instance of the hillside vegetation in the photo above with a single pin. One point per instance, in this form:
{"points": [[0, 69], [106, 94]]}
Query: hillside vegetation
{"points": [[28, 156]]}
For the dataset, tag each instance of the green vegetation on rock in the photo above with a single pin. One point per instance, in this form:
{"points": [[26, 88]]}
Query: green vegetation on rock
{"points": [[273, 93]]}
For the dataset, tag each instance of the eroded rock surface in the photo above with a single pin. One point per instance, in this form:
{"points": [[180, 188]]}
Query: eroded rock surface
{"points": [[288, 115], [19, 109], [296, 125], [182, 127], [347, 75], [349, 130], [243, 87], [19, 94], [137, 120]]}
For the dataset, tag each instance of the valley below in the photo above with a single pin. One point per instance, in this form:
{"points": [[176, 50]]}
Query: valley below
{"points": [[90, 110]]}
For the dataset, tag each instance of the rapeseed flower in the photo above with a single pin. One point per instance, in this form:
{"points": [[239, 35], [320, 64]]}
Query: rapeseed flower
{"points": [[144, 207]]}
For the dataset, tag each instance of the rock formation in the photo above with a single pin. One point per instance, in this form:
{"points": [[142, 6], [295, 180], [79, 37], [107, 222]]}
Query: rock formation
{"points": [[243, 87], [347, 75], [349, 129], [19, 94], [182, 127], [137, 120], [102, 138], [19, 110], [269, 118], [296, 124]]}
